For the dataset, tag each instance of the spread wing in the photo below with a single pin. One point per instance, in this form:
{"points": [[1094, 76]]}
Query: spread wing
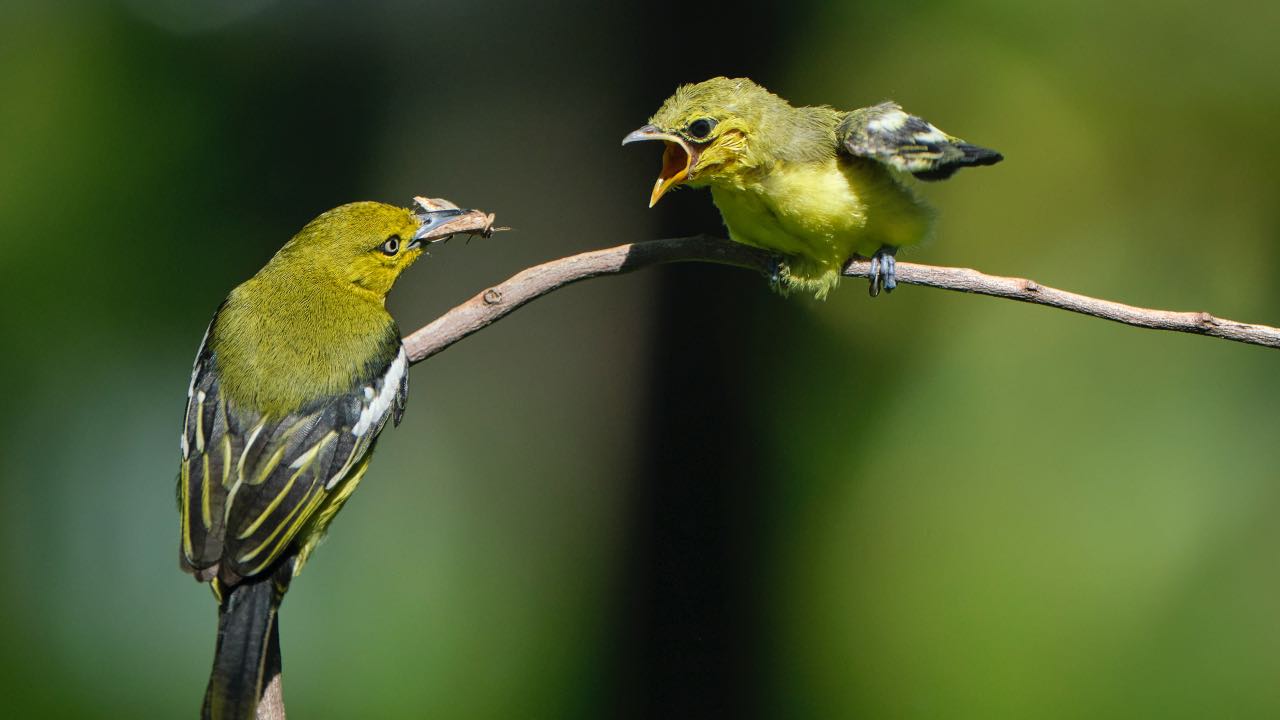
{"points": [[248, 484], [888, 134]]}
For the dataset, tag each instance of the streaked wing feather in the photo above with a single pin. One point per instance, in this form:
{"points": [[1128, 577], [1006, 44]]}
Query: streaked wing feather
{"points": [[248, 486], [302, 460], [204, 458], [888, 134], [268, 512], [402, 395]]}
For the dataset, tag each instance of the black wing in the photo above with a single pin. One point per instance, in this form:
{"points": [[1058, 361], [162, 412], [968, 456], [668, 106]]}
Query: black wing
{"points": [[249, 484], [888, 134]]}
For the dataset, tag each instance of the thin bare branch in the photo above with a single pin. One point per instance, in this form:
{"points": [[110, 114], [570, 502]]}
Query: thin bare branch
{"points": [[498, 301], [1029, 291], [271, 706]]}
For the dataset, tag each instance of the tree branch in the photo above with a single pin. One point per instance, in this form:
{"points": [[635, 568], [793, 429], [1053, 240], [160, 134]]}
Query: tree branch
{"points": [[527, 285], [271, 705]]}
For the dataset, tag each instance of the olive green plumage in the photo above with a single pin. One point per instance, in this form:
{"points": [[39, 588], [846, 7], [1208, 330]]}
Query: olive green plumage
{"points": [[814, 184], [300, 369]]}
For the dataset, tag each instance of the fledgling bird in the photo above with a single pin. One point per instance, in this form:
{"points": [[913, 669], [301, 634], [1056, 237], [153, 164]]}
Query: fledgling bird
{"points": [[298, 372], [813, 184]]}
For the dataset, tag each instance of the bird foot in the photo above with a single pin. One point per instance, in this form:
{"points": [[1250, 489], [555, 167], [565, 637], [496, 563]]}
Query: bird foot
{"points": [[777, 271], [883, 270]]}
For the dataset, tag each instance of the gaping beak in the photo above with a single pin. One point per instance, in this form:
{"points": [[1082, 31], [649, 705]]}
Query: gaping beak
{"points": [[436, 225], [678, 158]]}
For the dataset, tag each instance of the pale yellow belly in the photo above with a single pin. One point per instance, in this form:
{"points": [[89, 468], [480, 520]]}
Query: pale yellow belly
{"points": [[822, 214]]}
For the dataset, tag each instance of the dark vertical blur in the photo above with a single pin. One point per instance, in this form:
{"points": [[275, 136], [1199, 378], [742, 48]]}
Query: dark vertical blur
{"points": [[694, 557]]}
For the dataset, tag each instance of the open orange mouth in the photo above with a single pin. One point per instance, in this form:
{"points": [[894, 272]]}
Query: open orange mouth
{"points": [[676, 162], [677, 159]]}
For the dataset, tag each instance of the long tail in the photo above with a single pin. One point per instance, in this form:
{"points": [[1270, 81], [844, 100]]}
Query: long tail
{"points": [[248, 655]]}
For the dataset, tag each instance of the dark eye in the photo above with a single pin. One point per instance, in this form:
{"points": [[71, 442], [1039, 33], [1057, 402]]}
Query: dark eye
{"points": [[701, 128], [391, 246]]}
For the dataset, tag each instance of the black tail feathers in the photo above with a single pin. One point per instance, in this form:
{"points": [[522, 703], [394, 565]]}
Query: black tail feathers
{"points": [[973, 156], [247, 658]]}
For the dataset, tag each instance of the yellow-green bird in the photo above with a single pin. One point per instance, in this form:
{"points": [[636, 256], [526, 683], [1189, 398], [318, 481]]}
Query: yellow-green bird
{"points": [[297, 374], [813, 184]]}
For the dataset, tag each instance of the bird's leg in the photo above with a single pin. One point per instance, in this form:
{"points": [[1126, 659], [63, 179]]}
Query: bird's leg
{"points": [[889, 267], [884, 270], [777, 271]]}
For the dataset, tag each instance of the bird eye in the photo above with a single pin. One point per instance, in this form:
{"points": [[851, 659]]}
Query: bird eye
{"points": [[699, 129], [391, 246]]}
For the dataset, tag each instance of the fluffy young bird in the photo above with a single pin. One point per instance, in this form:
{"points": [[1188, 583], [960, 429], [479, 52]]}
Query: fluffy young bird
{"points": [[297, 374], [813, 184]]}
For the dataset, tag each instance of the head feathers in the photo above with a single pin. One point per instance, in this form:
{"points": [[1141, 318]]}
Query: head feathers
{"points": [[757, 126]]}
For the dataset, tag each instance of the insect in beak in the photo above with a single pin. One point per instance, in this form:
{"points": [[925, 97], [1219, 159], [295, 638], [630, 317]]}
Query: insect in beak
{"points": [[435, 225]]}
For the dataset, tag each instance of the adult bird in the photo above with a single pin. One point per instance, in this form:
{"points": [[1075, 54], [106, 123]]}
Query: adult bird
{"points": [[297, 374], [814, 185]]}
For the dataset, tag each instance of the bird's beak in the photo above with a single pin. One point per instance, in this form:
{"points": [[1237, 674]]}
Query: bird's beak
{"points": [[678, 158], [436, 225]]}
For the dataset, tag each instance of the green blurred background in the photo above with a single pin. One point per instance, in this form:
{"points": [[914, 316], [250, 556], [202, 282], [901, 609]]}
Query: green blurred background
{"points": [[671, 494]]}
